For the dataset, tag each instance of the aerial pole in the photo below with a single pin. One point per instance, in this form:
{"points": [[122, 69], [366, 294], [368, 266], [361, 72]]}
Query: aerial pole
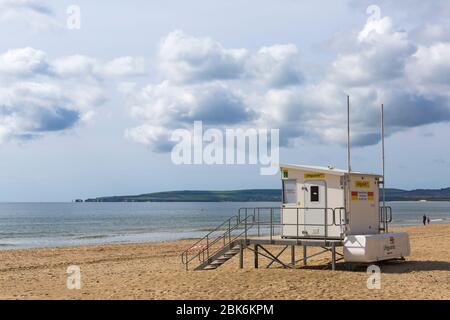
{"points": [[348, 135], [383, 169], [347, 180]]}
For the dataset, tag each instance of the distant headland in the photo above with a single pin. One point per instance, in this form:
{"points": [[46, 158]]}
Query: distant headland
{"points": [[262, 195]]}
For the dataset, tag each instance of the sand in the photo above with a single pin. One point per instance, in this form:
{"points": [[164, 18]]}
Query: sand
{"points": [[154, 271]]}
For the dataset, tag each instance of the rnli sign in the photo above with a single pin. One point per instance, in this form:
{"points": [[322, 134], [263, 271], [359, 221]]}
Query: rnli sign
{"points": [[314, 175], [362, 184]]}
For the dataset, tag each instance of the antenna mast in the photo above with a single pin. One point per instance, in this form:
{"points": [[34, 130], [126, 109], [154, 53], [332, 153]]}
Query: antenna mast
{"points": [[383, 169], [348, 134]]}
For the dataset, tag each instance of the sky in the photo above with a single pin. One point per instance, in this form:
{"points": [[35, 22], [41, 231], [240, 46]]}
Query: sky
{"points": [[90, 95]]}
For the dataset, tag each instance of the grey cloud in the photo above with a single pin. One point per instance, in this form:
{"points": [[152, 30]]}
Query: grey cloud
{"points": [[408, 110], [219, 106], [55, 119]]}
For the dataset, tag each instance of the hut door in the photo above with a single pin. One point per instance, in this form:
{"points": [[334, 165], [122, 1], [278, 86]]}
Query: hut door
{"points": [[315, 207]]}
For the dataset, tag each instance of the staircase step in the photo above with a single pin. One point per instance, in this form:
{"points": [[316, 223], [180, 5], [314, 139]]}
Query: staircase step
{"points": [[231, 253], [223, 259], [211, 267]]}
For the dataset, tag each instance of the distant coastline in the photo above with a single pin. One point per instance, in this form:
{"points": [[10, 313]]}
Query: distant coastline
{"points": [[262, 195]]}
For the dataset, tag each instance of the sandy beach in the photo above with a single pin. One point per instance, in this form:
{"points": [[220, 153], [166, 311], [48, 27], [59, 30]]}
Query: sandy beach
{"points": [[154, 271]]}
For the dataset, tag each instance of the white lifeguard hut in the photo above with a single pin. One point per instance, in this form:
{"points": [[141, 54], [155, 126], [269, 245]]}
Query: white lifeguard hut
{"points": [[321, 207], [330, 203]]}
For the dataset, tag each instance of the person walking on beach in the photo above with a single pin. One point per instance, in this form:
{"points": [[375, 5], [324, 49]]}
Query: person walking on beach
{"points": [[428, 219], [424, 220]]}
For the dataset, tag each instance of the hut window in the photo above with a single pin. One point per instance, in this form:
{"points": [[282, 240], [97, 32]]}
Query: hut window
{"points": [[314, 193]]}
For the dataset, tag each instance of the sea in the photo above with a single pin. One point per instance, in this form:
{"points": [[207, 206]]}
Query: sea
{"points": [[34, 225]]}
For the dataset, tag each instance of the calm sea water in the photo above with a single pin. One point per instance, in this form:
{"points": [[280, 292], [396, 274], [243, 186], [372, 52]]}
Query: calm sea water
{"points": [[28, 225]]}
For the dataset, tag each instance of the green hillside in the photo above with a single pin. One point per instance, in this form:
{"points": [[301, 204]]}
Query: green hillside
{"points": [[259, 195]]}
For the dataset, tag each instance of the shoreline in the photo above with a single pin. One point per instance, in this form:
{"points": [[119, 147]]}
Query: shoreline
{"points": [[7, 247], [154, 271]]}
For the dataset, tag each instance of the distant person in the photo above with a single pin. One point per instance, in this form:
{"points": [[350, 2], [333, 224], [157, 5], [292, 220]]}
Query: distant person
{"points": [[428, 219], [424, 220]]}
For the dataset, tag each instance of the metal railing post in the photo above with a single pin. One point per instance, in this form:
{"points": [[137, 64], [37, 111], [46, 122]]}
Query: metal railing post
{"points": [[258, 222], [245, 225], [271, 223], [229, 231], [207, 247]]}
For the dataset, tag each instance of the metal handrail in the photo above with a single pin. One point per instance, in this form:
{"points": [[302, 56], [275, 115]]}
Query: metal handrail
{"points": [[340, 210], [184, 255], [385, 217], [205, 252], [326, 212], [272, 224]]}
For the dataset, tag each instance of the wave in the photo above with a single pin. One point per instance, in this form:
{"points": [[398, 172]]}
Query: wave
{"points": [[100, 236]]}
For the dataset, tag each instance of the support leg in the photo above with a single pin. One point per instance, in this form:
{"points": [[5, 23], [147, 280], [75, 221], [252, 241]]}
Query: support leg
{"points": [[241, 255], [333, 256], [256, 256], [305, 257], [293, 255]]}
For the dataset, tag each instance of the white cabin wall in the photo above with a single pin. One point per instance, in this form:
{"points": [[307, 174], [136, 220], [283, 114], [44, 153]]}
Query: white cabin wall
{"points": [[335, 199], [364, 213]]}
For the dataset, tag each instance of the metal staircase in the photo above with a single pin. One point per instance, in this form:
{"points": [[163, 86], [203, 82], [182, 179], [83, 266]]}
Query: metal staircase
{"points": [[219, 258], [219, 245]]}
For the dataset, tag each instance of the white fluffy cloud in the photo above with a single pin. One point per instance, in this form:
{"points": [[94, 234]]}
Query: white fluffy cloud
{"points": [[203, 82], [23, 62], [79, 65], [187, 59], [166, 106], [276, 66], [124, 67], [39, 96], [430, 66], [184, 58], [237, 87]]}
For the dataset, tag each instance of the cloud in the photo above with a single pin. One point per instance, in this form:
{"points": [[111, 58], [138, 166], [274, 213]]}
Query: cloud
{"points": [[39, 96], [36, 14], [406, 70], [202, 82], [157, 137], [31, 109], [386, 66], [166, 107], [124, 67], [80, 65], [74, 65], [184, 58], [276, 66], [430, 65], [380, 55], [23, 62]]}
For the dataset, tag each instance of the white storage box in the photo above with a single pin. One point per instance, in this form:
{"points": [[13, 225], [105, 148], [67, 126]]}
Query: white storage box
{"points": [[376, 247]]}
